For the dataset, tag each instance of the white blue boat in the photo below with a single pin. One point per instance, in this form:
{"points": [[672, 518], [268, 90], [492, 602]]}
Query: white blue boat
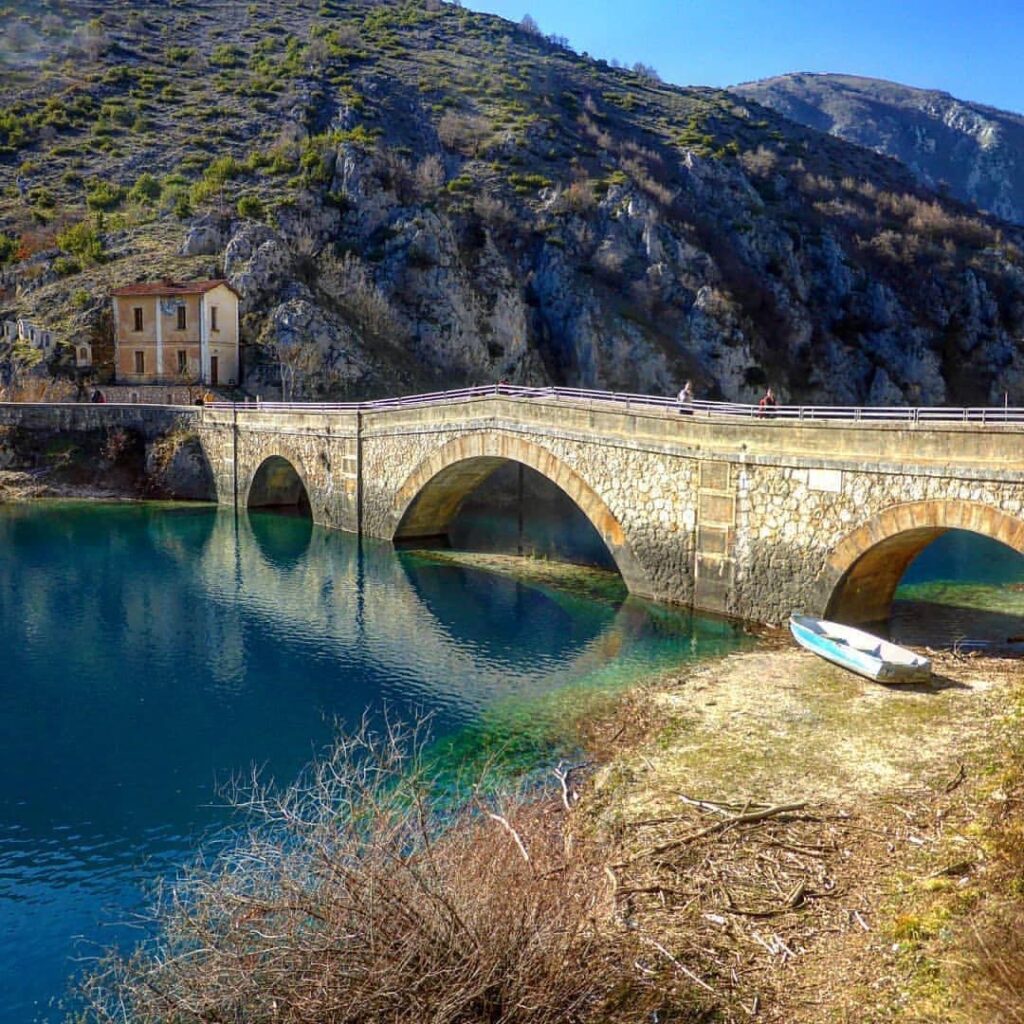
{"points": [[860, 652]]}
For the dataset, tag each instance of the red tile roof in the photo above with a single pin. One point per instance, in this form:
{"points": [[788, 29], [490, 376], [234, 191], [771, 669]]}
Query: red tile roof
{"points": [[168, 287]]}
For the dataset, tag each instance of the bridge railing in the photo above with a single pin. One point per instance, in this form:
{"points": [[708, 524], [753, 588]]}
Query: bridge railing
{"points": [[905, 414]]}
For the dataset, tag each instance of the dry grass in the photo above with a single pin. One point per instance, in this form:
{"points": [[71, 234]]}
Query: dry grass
{"points": [[853, 903], [354, 899], [987, 959]]}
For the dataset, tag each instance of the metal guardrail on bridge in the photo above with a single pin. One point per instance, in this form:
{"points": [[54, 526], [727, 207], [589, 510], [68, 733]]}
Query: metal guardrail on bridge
{"points": [[904, 414]]}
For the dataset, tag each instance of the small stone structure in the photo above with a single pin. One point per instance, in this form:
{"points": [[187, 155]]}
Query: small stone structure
{"points": [[749, 517], [44, 339]]}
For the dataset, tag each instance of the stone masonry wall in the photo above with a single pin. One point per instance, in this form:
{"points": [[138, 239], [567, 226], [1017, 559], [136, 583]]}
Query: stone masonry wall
{"points": [[790, 520], [651, 495], [323, 451]]}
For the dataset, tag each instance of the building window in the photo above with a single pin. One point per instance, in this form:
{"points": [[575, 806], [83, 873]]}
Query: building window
{"points": [[140, 362], [182, 361], [83, 355], [213, 319], [138, 318], [181, 318]]}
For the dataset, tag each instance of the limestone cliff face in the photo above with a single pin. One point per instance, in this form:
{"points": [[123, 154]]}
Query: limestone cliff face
{"points": [[421, 197], [974, 151]]}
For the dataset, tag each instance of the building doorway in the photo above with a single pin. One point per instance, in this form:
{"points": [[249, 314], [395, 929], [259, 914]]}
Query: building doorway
{"points": [[214, 380]]}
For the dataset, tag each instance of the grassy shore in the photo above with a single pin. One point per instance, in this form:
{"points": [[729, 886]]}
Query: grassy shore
{"points": [[883, 880]]}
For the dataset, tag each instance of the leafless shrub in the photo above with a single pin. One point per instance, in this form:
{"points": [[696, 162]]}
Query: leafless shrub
{"points": [[931, 220], [644, 180], [462, 133], [595, 132], [992, 978], [817, 183], [115, 444], [610, 263], [529, 26], [760, 162], [317, 52], [353, 899], [346, 36], [429, 176], [577, 198], [646, 72], [492, 211], [395, 173], [289, 135], [300, 365], [91, 40], [18, 37], [304, 239], [346, 280]]}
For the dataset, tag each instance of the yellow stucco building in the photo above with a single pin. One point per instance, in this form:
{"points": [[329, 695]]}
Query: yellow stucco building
{"points": [[173, 331]]}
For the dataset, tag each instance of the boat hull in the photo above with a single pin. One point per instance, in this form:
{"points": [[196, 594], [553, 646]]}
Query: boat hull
{"points": [[859, 652]]}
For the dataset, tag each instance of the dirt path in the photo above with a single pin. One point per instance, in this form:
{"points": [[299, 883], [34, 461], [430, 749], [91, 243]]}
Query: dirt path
{"points": [[797, 917]]}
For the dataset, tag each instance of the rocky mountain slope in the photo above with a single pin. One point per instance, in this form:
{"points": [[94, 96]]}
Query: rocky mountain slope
{"points": [[973, 151], [413, 195]]}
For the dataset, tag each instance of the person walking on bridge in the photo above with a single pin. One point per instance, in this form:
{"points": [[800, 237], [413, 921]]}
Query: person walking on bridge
{"points": [[685, 399], [767, 404]]}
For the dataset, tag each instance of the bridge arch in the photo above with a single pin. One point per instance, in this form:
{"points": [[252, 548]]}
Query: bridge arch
{"points": [[430, 498], [278, 483], [864, 570]]}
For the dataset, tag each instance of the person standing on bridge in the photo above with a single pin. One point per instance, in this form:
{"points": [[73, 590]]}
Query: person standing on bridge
{"points": [[767, 404], [685, 399]]}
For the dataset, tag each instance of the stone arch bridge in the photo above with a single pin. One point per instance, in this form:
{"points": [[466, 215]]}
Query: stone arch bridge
{"points": [[732, 514], [745, 516]]}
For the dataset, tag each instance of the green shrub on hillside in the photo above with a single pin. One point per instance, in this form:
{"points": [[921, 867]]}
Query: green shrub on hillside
{"points": [[8, 248], [82, 240], [15, 131], [215, 177], [65, 266], [104, 195], [525, 183], [251, 207], [42, 197], [179, 54], [146, 189], [227, 56]]}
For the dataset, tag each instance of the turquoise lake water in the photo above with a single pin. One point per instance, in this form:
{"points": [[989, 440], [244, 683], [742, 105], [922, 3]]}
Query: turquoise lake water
{"points": [[962, 589], [152, 652]]}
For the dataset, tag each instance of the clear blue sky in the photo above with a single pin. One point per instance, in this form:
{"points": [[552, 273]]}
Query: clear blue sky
{"points": [[973, 50]]}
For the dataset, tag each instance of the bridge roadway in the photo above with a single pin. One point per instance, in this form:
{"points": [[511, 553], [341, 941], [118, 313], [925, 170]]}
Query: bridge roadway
{"points": [[819, 510]]}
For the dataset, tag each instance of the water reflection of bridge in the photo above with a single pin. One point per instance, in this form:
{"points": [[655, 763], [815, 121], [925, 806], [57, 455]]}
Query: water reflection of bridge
{"points": [[422, 625]]}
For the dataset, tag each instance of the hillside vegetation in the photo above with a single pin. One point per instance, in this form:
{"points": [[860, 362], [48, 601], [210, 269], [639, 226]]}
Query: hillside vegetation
{"points": [[411, 194], [973, 151]]}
